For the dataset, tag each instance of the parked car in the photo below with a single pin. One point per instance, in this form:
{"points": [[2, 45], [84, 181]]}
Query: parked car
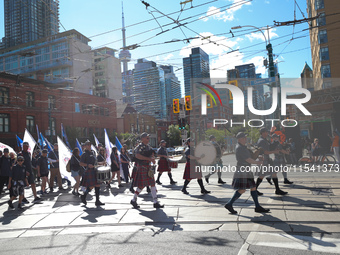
{"points": [[171, 150], [179, 150]]}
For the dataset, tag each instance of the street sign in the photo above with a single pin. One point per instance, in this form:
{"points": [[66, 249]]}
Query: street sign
{"points": [[262, 81]]}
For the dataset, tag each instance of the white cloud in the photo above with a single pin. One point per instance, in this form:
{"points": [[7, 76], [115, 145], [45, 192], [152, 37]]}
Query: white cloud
{"points": [[227, 15], [266, 2], [168, 57], [258, 35]]}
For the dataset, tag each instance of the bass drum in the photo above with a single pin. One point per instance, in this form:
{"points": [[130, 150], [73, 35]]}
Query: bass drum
{"points": [[207, 152]]}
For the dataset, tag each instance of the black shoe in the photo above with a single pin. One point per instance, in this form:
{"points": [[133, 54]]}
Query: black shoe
{"points": [[269, 180], [120, 185], [98, 203], [10, 204], [24, 200], [134, 204], [220, 181], [207, 179], [230, 209], [287, 182], [281, 192], [20, 207], [158, 205], [259, 193], [158, 182], [83, 199], [185, 191], [148, 189], [132, 190], [51, 190], [108, 185], [37, 199], [173, 182], [204, 191], [261, 210], [74, 193]]}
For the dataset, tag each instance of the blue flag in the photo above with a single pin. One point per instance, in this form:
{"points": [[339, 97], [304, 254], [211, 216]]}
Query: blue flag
{"points": [[19, 142], [118, 144], [79, 147], [49, 146], [63, 133]]}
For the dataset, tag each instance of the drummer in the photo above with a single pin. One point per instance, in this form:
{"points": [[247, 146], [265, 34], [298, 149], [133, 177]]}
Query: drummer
{"points": [[218, 163], [88, 160], [190, 173], [163, 163]]}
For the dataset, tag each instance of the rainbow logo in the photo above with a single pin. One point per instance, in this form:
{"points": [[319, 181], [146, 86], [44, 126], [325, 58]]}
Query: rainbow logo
{"points": [[209, 93]]}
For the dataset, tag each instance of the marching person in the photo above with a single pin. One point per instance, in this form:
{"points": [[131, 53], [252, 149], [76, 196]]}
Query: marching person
{"points": [[5, 169], [190, 173], [53, 157], [163, 163], [17, 179], [125, 160], [31, 178], [42, 169], [243, 178], [115, 167], [218, 163], [265, 145], [101, 157], [76, 170], [144, 175], [88, 160]]}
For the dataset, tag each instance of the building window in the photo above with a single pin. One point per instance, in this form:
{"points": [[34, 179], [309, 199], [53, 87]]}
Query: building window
{"points": [[30, 124], [30, 99], [326, 71], [323, 36], [321, 21], [319, 4], [4, 95], [51, 102], [324, 55], [76, 107], [4, 123]]}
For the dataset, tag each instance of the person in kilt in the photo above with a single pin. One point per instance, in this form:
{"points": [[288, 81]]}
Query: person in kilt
{"points": [[163, 163], [243, 178], [88, 160], [265, 145], [143, 176], [189, 171]]}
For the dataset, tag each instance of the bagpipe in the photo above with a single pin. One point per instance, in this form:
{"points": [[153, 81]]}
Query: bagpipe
{"points": [[255, 151]]}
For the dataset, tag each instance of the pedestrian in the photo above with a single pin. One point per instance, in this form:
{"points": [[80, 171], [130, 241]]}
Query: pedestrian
{"points": [[5, 169], [243, 177], [13, 157], [125, 161], [75, 170], [88, 160], [101, 157], [264, 144], [335, 146], [31, 178], [36, 155], [42, 169], [292, 154], [53, 158], [190, 172], [115, 167], [218, 162], [315, 150], [163, 163], [17, 179], [144, 175]]}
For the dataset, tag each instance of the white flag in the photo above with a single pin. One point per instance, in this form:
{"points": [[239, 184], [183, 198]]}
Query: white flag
{"points": [[3, 146], [94, 150], [28, 138], [108, 148], [64, 156]]}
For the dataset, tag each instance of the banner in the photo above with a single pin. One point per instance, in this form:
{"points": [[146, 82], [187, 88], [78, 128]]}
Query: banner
{"points": [[63, 133], [28, 138], [3, 146], [64, 156], [108, 147], [79, 147]]}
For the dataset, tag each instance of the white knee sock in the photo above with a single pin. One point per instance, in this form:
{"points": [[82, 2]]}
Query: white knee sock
{"points": [[154, 194], [138, 190]]}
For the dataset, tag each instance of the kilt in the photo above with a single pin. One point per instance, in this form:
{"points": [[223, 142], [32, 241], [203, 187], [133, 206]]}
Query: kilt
{"points": [[89, 178], [142, 178], [134, 171], [243, 180], [163, 166], [189, 171]]}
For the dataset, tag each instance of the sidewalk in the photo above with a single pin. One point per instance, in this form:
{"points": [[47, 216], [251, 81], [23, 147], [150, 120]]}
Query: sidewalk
{"points": [[312, 206]]}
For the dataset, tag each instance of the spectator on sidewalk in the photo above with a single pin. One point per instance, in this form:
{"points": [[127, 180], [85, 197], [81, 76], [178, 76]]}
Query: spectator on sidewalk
{"points": [[335, 146]]}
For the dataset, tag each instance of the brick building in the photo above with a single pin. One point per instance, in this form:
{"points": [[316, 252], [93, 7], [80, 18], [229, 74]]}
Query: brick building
{"points": [[25, 103]]}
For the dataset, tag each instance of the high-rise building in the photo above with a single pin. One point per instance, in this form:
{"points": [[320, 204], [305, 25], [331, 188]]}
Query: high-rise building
{"points": [[107, 76], [324, 39], [195, 66], [30, 20], [172, 84], [149, 89], [307, 78]]}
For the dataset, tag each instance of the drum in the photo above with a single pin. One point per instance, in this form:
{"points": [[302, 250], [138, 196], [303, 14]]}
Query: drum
{"points": [[103, 173], [207, 152], [173, 164]]}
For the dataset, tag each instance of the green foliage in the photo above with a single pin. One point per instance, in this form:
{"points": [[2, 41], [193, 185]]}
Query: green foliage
{"points": [[174, 135]]}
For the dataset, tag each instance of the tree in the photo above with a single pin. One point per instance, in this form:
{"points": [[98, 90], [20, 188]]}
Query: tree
{"points": [[174, 135], [219, 135]]}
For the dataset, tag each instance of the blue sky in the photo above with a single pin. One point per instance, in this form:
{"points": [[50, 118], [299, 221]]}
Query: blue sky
{"points": [[95, 17]]}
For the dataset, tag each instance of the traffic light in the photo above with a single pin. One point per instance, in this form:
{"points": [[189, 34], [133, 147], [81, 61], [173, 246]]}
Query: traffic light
{"points": [[188, 104], [176, 105], [181, 124], [234, 82], [209, 102]]}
